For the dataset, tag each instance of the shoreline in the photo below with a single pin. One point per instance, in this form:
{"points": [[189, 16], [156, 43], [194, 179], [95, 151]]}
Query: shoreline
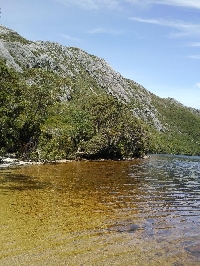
{"points": [[11, 161]]}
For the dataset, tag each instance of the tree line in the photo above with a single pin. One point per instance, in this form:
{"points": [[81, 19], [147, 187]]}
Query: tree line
{"points": [[36, 123]]}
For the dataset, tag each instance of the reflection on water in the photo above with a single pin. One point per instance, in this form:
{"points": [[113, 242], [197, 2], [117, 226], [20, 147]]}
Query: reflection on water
{"points": [[142, 212]]}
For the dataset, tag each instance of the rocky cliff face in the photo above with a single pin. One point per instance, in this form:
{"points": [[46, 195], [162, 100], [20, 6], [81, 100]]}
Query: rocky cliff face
{"points": [[21, 54]]}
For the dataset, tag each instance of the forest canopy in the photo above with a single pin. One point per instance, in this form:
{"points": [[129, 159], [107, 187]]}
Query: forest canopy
{"points": [[38, 122]]}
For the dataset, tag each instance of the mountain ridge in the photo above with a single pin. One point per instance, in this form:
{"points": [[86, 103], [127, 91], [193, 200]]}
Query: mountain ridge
{"points": [[93, 75], [20, 55]]}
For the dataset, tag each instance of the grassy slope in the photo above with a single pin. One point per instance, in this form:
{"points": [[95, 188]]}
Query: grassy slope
{"points": [[183, 134]]}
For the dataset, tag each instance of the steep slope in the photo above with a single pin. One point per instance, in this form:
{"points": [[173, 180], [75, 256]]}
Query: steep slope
{"points": [[78, 65], [171, 124]]}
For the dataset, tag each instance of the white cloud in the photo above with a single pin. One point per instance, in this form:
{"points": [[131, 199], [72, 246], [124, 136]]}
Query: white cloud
{"points": [[194, 57], [195, 44], [93, 4], [116, 4], [181, 3], [104, 31], [112, 4], [68, 37], [96, 31], [197, 85], [184, 29], [152, 21]]}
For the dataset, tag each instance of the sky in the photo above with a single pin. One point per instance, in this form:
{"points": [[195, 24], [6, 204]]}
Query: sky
{"points": [[153, 42]]}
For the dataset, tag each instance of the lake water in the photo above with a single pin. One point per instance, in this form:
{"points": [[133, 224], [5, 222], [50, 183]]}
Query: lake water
{"points": [[141, 212]]}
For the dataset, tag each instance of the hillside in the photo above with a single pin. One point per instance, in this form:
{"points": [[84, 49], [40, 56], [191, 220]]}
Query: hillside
{"points": [[69, 79]]}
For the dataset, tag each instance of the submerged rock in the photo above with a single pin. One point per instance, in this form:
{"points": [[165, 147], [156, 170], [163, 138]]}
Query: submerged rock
{"points": [[194, 250], [130, 228]]}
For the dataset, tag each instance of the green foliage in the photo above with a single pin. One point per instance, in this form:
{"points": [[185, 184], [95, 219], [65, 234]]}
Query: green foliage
{"points": [[116, 134], [50, 148], [93, 127], [46, 117], [13, 36], [67, 126], [183, 135], [10, 107], [41, 92], [25, 103]]}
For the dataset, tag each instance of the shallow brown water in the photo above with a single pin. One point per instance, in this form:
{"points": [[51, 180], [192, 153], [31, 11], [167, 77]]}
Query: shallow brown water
{"points": [[142, 212]]}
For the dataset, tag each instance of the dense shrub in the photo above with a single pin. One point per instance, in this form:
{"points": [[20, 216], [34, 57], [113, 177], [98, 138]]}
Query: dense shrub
{"points": [[46, 117]]}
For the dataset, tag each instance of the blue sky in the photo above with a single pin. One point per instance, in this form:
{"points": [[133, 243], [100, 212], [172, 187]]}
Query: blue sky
{"points": [[153, 42]]}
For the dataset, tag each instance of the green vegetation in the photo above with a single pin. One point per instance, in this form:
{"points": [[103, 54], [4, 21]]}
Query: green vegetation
{"points": [[10, 108], [66, 103], [37, 123], [13, 36], [183, 129]]}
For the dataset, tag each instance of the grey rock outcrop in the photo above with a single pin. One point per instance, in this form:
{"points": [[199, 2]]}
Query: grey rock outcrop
{"points": [[21, 54]]}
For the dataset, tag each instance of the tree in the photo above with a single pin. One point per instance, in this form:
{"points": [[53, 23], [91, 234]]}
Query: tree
{"points": [[43, 91], [117, 133], [10, 107]]}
